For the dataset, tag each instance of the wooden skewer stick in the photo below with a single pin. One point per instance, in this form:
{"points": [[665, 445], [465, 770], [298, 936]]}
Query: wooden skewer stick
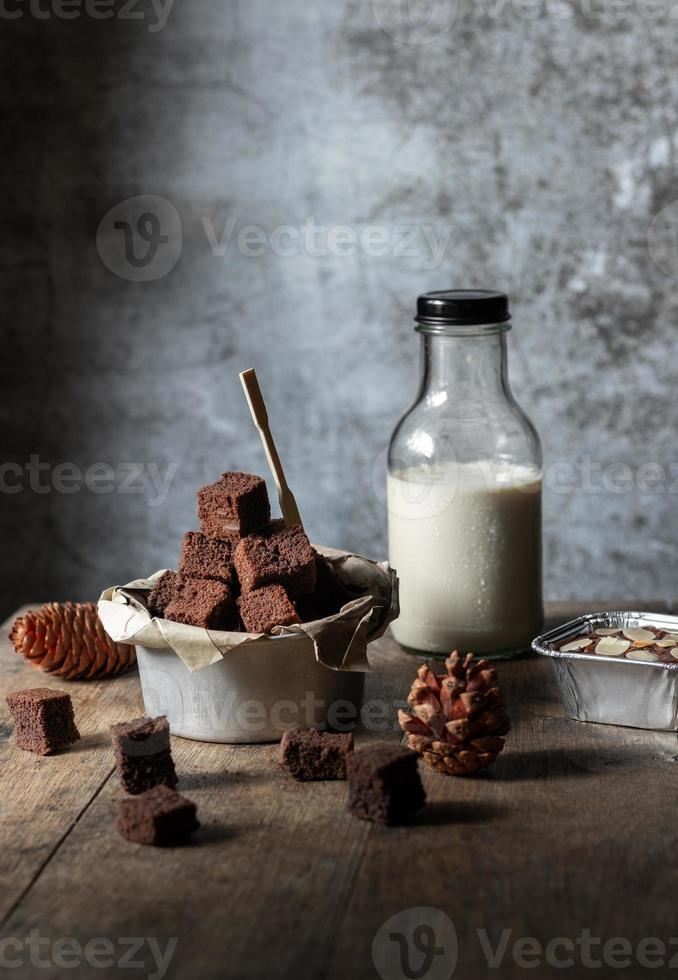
{"points": [[255, 400]]}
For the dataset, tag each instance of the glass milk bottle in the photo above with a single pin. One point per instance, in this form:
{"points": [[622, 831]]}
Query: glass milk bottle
{"points": [[464, 489]]}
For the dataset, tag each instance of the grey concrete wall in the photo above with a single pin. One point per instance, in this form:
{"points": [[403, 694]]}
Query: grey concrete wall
{"points": [[533, 143]]}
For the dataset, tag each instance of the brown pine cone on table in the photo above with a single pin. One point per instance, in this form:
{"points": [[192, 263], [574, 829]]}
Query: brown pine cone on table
{"points": [[68, 639], [459, 717]]}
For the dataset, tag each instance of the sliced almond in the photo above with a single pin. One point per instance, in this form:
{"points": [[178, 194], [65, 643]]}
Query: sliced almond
{"points": [[639, 635], [611, 646], [641, 655], [579, 644], [674, 653], [607, 632], [667, 641]]}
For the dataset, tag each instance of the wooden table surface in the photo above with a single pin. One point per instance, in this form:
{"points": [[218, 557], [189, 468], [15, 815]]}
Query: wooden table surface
{"points": [[572, 830]]}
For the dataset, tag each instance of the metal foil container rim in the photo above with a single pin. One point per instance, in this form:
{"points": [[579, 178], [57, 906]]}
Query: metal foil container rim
{"points": [[545, 644]]}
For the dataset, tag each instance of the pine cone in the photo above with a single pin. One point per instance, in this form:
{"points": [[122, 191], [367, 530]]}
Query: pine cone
{"points": [[458, 717], [68, 639]]}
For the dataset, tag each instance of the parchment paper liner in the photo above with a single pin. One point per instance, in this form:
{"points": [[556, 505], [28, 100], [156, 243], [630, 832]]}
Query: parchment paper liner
{"points": [[339, 641]]}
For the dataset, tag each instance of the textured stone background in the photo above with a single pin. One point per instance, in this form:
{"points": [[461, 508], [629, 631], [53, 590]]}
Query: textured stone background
{"points": [[539, 138]]}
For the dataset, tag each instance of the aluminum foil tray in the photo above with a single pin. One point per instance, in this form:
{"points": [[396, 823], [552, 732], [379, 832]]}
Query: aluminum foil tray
{"points": [[611, 690]]}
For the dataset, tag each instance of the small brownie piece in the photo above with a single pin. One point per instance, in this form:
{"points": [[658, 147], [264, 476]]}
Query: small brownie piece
{"points": [[160, 816], [285, 557], [43, 719], [265, 608], [236, 505], [203, 602], [162, 594], [143, 754], [383, 783], [203, 557], [315, 755]]}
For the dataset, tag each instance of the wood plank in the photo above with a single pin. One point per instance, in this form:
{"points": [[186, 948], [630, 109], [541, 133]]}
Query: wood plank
{"points": [[259, 884], [282, 882], [259, 892], [571, 830], [42, 798]]}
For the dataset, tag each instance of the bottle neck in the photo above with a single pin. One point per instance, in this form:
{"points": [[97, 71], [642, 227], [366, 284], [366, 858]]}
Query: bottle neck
{"points": [[470, 367]]}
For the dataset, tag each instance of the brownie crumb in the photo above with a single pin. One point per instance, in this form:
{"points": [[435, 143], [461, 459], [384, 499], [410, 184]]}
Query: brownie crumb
{"points": [[160, 817], [383, 782], [265, 608], [143, 754], [236, 505], [162, 594], [285, 558], [203, 602], [310, 754], [43, 719]]}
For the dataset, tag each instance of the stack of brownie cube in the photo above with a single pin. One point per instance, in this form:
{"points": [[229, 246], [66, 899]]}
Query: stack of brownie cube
{"points": [[242, 570], [153, 813]]}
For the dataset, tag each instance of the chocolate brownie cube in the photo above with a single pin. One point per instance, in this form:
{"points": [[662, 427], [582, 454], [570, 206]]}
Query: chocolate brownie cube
{"points": [[285, 558], [43, 719], [236, 505], [315, 755], [203, 602], [265, 608], [160, 817], [143, 754], [162, 594], [383, 783], [205, 557]]}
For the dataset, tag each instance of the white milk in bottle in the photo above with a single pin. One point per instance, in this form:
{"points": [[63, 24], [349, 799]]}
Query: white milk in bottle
{"points": [[464, 489], [466, 542]]}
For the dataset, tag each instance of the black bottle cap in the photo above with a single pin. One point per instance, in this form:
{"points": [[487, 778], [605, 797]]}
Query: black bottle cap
{"points": [[462, 307]]}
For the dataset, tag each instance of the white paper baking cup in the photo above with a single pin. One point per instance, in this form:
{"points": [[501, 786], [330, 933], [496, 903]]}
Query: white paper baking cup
{"points": [[244, 688], [254, 694]]}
